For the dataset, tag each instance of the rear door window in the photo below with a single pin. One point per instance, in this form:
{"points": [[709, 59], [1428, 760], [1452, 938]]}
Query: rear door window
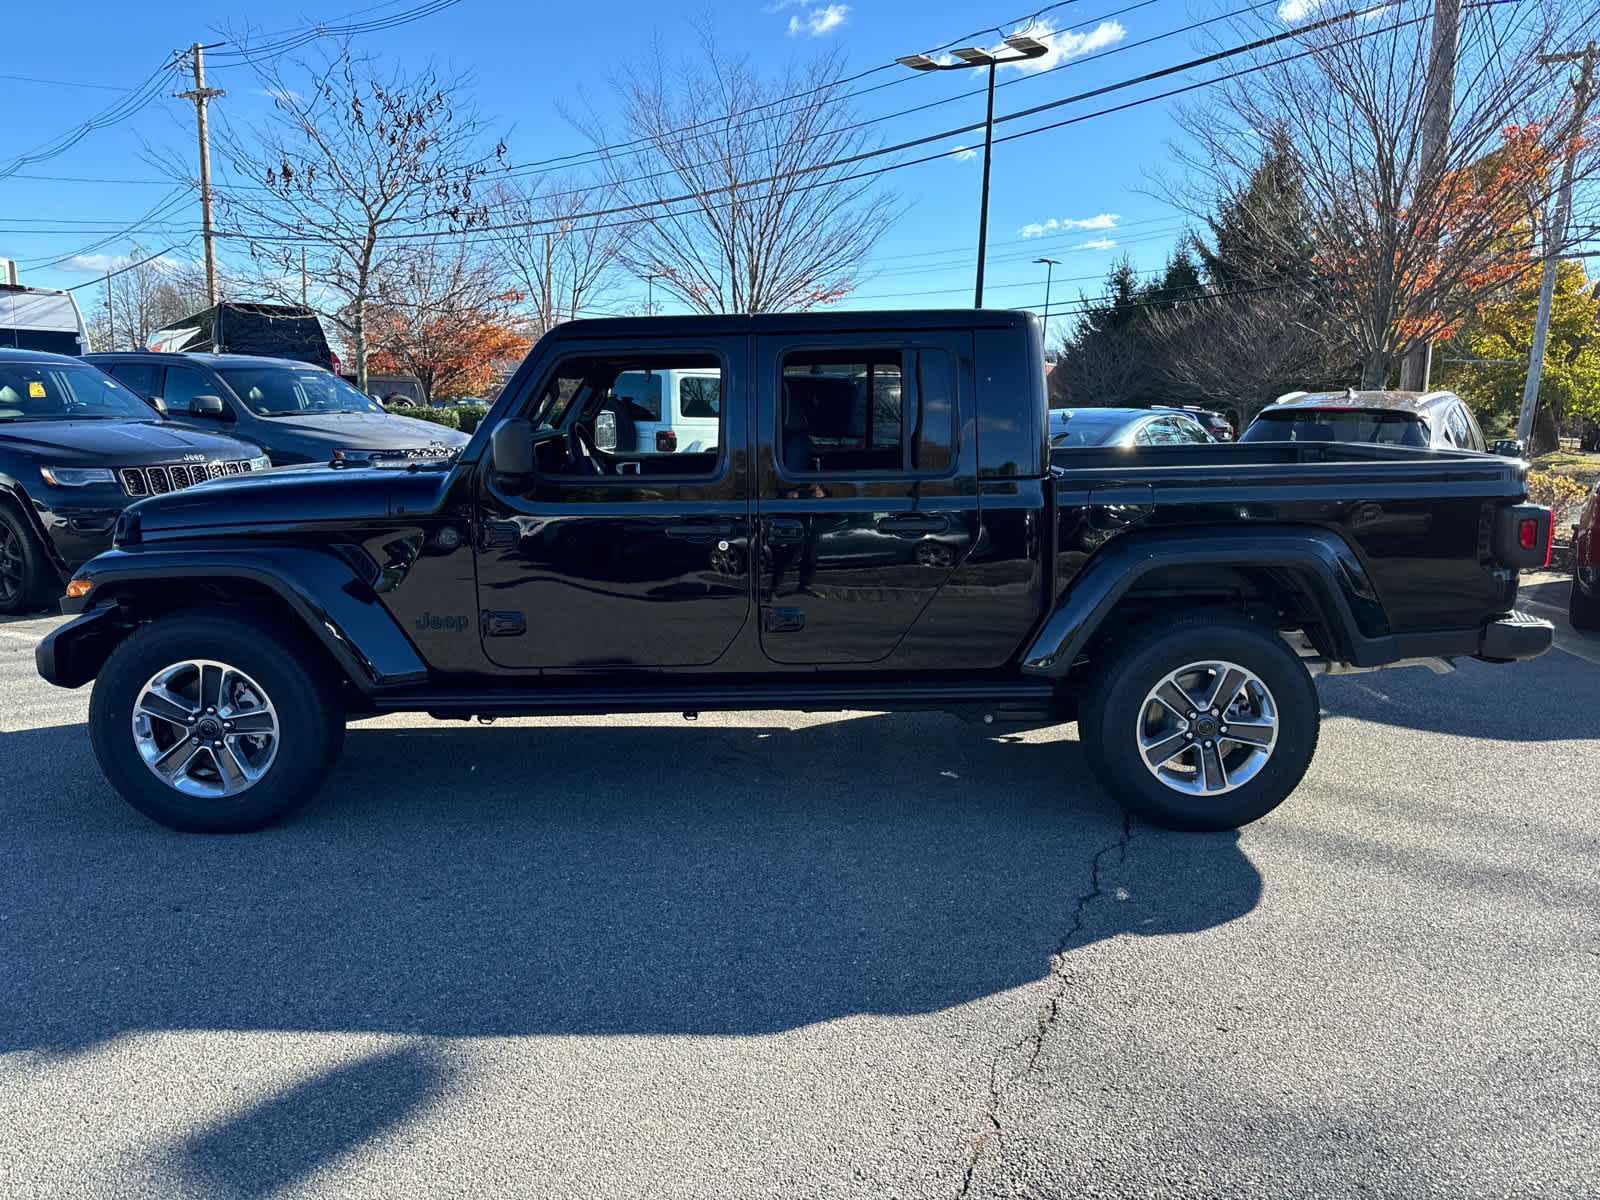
{"points": [[144, 378]]}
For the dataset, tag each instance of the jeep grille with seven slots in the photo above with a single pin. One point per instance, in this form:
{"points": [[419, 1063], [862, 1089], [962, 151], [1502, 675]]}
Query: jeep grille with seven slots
{"points": [[157, 481]]}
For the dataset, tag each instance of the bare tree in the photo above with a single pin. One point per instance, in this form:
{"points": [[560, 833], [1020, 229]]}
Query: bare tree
{"points": [[1405, 246], [560, 262], [329, 195], [746, 214], [143, 296]]}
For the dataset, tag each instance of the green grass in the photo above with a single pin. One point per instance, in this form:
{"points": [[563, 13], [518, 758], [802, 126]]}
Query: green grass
{"points": [[1572, 463]]}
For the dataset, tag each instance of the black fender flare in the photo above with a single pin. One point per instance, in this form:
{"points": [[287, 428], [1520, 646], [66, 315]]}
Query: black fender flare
{"points": [[338, 609], [1319, 560], [13, 490]]}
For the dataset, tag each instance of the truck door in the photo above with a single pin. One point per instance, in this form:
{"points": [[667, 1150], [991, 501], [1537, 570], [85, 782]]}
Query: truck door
{"points": [[621, 559], [862, 513]]}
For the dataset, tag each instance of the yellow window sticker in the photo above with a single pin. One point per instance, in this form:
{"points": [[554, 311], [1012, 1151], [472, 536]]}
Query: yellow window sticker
{"points": [[36, 389]]}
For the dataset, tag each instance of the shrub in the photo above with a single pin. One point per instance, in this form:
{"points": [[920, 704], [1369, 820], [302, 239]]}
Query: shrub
{"points": [[470, 416], [1559, 492]]}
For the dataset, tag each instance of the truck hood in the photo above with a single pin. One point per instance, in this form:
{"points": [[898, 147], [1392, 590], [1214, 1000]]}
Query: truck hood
{"points": [[113, 443], [289, 498], [365, 431]]}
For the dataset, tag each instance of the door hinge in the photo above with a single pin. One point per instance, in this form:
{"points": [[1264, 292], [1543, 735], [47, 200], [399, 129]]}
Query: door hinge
{"points": [[503, 624]]}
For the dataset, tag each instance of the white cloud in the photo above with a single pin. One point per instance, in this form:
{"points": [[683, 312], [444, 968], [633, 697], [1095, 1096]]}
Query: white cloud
{"points": [[963, 154], [1099, 244], [1291, 11], [1067, 45], [819, 20], [1098, 221]]}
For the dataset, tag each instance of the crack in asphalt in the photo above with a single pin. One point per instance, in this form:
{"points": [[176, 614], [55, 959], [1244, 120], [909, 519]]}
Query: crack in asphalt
{"points": [[1051, 1008]]}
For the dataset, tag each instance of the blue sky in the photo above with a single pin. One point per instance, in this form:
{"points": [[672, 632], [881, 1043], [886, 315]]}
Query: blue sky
{"points": [[1078, 194]]}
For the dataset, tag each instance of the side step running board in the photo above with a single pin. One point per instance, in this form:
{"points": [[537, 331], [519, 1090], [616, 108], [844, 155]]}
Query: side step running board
{"points": [[1010, 701]]}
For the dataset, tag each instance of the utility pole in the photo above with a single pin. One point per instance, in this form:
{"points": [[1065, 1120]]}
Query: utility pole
{"points": [[304, 302], [1556, 236], [200, 93], [1438, 106]]}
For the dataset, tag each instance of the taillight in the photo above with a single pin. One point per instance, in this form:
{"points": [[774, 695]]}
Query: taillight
{"points": [[666, 441], [1523, 535], [1528, 533]]}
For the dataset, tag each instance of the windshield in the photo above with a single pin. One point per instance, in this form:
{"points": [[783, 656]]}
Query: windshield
{"points": [[66, 391], [288, 391], [1386, 428], [1084, 428]]}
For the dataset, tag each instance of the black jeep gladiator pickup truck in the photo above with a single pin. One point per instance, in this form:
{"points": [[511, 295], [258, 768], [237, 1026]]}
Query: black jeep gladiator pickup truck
{"points": [[878, 525]]}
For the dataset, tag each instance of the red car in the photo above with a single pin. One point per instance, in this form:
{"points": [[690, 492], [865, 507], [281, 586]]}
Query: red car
{"points": [[1584, 608]]}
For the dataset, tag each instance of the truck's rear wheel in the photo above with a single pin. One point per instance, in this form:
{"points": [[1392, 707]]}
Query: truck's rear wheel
{"points": [[1203, 723], [1583, 606], [213, 723]]}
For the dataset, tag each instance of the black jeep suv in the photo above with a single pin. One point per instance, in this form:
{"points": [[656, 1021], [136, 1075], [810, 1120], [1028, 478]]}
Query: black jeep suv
{"points": [[76, 447]]}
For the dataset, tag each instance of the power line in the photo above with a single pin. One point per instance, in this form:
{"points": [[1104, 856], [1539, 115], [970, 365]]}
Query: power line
{"points": [[122, 270], [699, 197]]}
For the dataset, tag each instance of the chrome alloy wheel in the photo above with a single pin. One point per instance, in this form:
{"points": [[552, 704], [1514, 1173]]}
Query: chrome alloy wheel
{"points": [[1207, 728], [205, 728]]}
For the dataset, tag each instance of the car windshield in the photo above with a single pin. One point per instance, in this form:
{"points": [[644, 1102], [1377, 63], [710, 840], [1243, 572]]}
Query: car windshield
{"points": [[1383, 426], [66, 391], [288, 391], [1084, 428]]}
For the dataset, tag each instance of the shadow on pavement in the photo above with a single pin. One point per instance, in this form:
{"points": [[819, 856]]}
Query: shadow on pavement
{"points": [[280, 1140], [666, 879], [1555, 697]]}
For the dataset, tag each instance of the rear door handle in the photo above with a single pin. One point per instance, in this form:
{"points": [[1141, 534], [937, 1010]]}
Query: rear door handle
{"points": [[913, 524], [701, 529]]}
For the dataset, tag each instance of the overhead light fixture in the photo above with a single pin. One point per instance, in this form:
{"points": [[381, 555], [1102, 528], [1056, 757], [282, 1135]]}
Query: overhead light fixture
{"points": [[1032, 47], [917, 62], [972, 54]]}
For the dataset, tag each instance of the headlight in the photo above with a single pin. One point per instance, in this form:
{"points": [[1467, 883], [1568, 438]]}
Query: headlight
{"points": [[263, 463], [348, 455], [76, 476]]}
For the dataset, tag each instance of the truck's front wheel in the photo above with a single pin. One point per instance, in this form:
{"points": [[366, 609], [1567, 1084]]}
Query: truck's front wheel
{"points": [[212, 723], [1583, 605], [1202, 723]]}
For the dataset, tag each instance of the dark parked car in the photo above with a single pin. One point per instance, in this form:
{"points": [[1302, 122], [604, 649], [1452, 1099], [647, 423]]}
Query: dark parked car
{"points": [[1073, 427], [1217, 425], [76, 448], [1440, 420], [1583, 609], [1174, 601], [297, 412]]}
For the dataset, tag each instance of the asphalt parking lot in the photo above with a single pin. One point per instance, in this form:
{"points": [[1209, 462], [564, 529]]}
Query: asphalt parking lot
{"points": [[833, 955]]}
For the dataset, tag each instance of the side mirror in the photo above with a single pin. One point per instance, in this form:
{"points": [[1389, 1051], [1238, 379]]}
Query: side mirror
{"points": [[511, 447], [1510, 447], [157, 403], [207, 406]]}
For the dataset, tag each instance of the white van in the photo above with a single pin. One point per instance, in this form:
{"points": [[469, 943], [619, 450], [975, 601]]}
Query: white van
{"points": [[41, 319], [662, 412]]}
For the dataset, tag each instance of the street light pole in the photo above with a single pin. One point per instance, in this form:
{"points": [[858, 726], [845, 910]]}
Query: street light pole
{"points": [[972, 56], [1050, 265]]}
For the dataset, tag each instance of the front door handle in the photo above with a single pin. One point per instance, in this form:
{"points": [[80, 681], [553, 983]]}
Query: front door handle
{"points": [[701, 529], [913, 525]]}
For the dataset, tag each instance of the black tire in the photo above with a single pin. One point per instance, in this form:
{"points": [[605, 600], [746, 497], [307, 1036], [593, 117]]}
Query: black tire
{"points": [[28, 581], [1583, 605], [1117, 712], [273, 665]]}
